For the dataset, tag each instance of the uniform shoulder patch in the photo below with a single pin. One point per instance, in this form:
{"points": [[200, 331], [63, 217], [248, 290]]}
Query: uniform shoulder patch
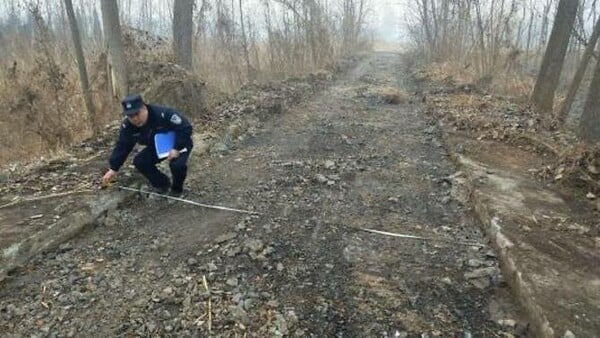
{"points": [[175, 119]]}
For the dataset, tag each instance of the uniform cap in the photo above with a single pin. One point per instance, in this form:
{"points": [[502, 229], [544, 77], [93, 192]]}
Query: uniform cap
{"points": [[132, 104]]}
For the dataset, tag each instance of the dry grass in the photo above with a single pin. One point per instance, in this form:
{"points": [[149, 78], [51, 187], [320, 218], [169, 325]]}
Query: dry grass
{"points": [[500, 82], [496, 108], [391, 95], [42, 111], [513, 85]]}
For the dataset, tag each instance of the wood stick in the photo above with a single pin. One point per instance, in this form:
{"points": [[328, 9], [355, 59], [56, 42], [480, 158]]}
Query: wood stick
{"points": [[209, 304]]}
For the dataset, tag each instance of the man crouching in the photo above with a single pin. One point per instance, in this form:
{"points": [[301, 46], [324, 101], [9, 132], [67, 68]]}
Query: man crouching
{"points": [[142, 123]]}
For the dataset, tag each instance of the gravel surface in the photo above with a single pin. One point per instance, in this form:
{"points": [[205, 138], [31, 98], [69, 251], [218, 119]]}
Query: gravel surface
{"points": [[317, 172]]}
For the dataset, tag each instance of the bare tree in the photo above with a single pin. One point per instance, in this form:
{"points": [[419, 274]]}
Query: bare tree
{"points": [[552, 64], [575, 83], [116, 51], [183, 28], [245, 41], [353, 16], [590, 119], [83, 75]]}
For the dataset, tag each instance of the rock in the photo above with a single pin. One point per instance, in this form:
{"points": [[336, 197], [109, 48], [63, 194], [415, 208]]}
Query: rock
{"points": [[393, 200], [291, 318], [569, 334], [239, 314], [591, 196], [248, 303], [11, 310], [479, 273], [219, 148], [233, 251], [168, 291], [268, 250], [581, 229], [151, 326], [279, 267], [430, 130], [225, 237], [474, 263], [237, 298], [481, 283], [192, 261], [447, 280], [329, 164], [211, 267], [232, 281], [254, 245], [400, 334], [240, 226], [111, 220], [321, 178], [507, 322], [281, 325]]}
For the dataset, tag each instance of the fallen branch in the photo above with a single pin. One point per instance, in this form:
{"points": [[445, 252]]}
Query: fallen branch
{"points": [[540, 143], [38, 198], [424, 238], [584, 176]]}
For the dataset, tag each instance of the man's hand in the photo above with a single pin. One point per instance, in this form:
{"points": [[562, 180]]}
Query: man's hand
{"points": [[108, 177], [173, 154]]}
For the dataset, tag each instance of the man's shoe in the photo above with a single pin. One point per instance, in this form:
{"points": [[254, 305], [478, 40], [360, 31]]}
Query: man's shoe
{"points": [[161, 191], [176, 193]]}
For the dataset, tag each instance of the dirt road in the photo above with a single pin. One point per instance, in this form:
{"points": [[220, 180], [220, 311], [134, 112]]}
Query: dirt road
{"points": [[318, 173]]}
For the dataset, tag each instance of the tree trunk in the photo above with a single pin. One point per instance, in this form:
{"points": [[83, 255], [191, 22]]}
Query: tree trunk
{"points": [[574, 86], [426, 25], [83, 76], [116, 51], [481, 32], [590, 120], [549, 75], [245, 43], [529, 29], [98, 36], [183, 28]]}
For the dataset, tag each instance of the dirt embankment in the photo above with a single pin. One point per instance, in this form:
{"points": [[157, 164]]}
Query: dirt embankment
{"points": [[468, 111], [535, 190]]}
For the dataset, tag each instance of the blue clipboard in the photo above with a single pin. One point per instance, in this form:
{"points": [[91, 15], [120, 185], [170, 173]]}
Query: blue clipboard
{"points": [[164, 142]]}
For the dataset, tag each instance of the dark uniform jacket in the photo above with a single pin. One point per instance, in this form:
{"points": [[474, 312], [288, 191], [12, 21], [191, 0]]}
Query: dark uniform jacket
{"points": [[160, 120]]}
